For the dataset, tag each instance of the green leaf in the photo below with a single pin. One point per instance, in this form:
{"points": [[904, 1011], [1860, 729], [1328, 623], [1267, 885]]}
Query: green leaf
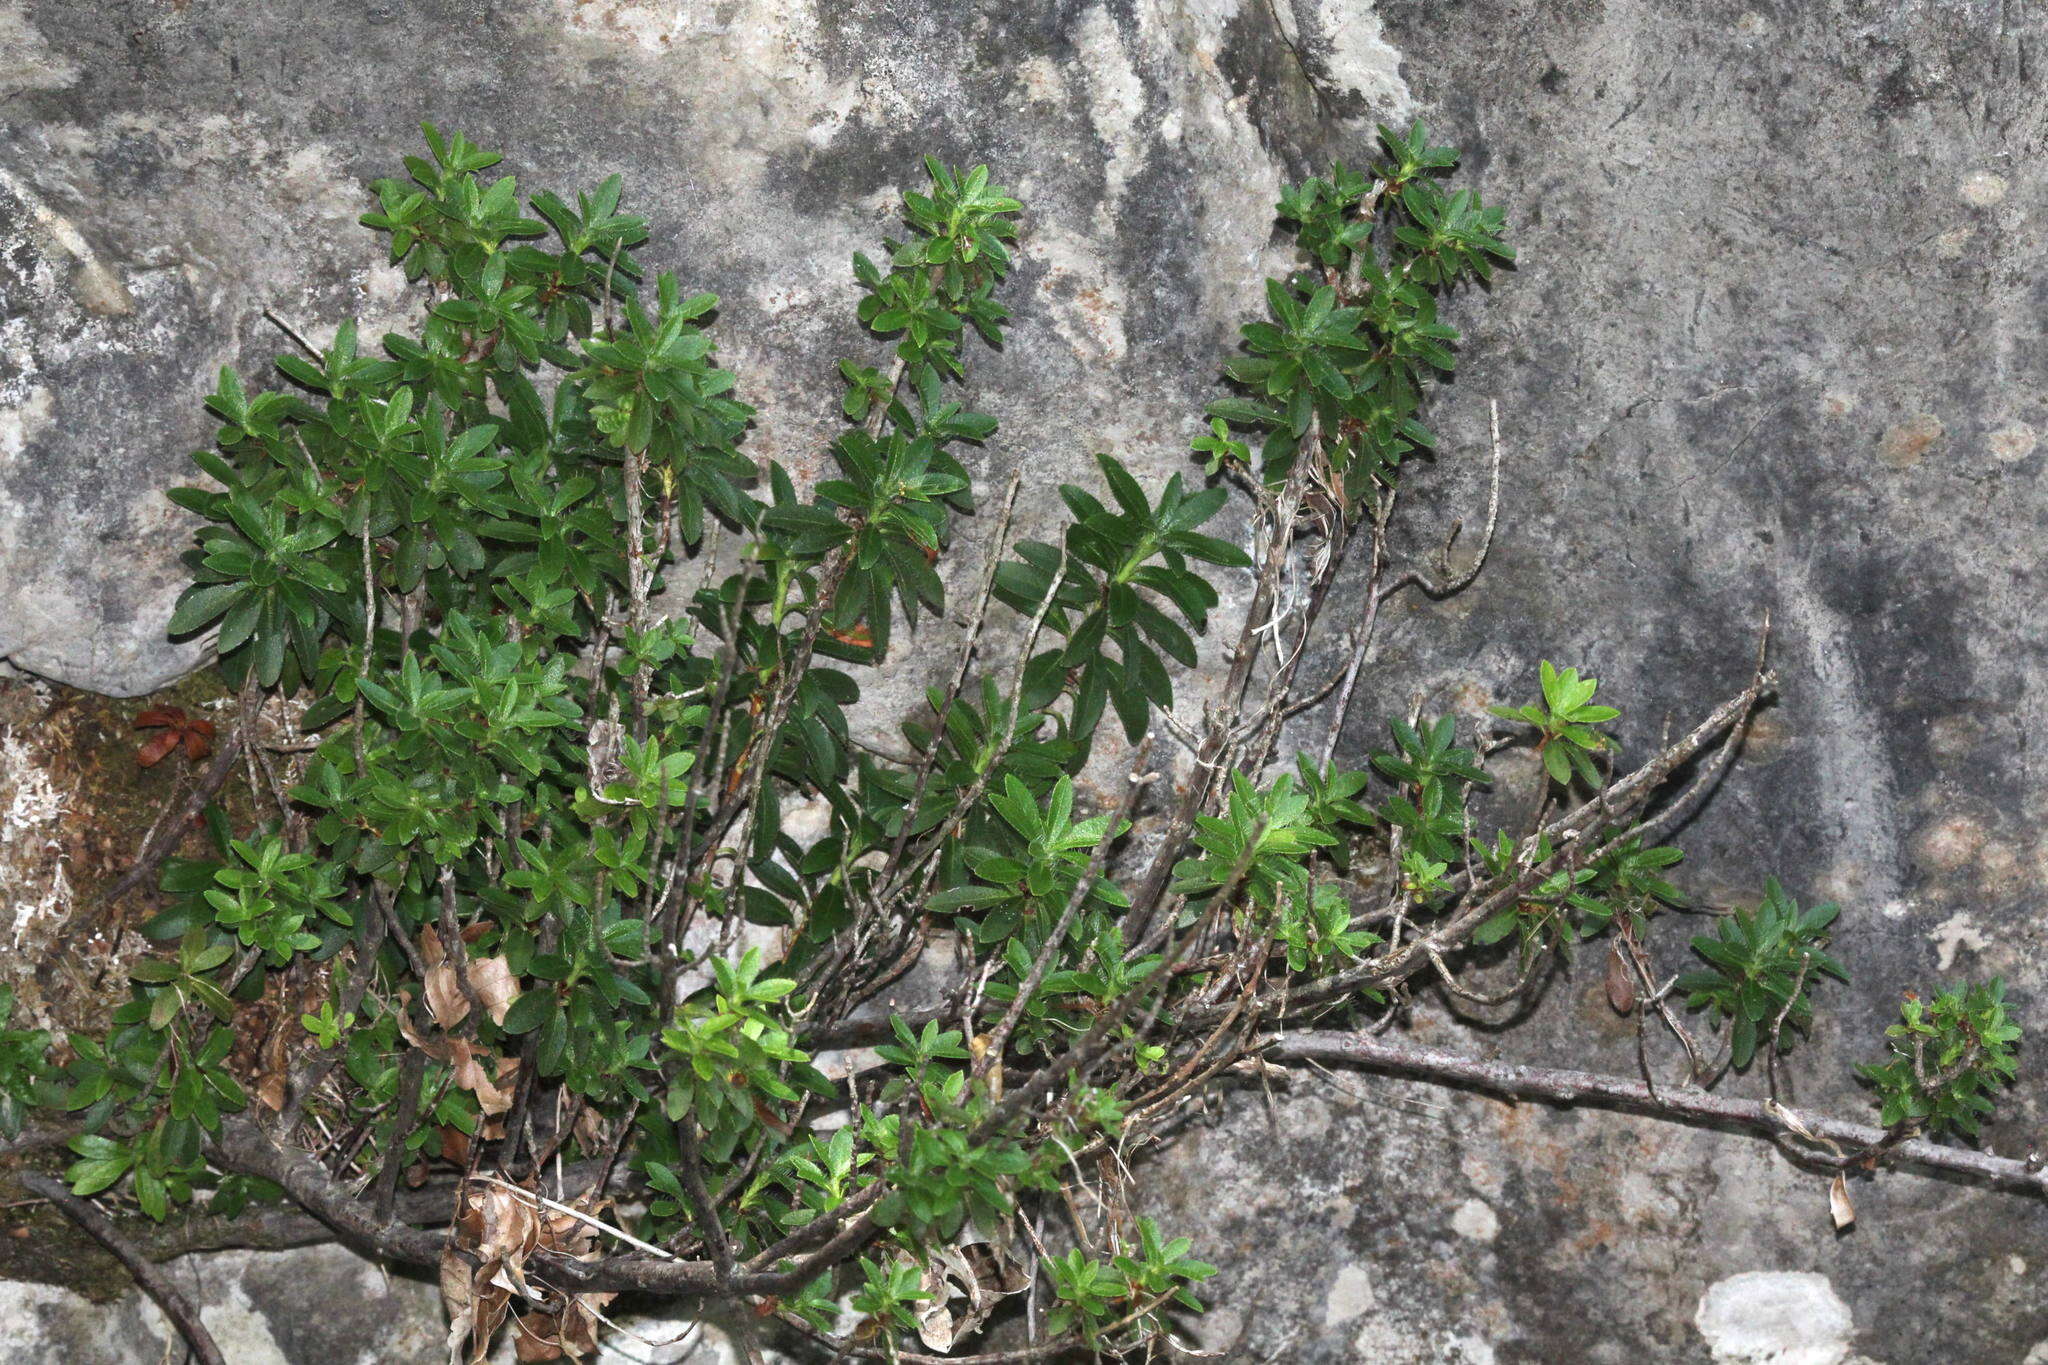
{"points": [[532, 1009], [1497, 927], [201, 604]]}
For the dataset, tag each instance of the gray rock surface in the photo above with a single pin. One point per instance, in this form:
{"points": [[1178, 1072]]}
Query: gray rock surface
{"points": [[1775, 344], [262, 1307], [311, 1306]]}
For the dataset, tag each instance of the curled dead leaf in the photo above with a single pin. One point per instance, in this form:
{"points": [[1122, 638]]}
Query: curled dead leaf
{"points": [[273, 1068], [499, 1231], [1838, 1202], [965, 1283], [472, 1075], [495, 986], [444, 996], [501, 1227], [1621, 984], [437, 1049], [475, 1309], [1799, 1128]]}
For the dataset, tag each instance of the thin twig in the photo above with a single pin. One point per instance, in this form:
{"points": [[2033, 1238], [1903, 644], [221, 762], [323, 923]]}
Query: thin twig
{"points": [[1685, 1105], [292, 332], [1458, 582]]}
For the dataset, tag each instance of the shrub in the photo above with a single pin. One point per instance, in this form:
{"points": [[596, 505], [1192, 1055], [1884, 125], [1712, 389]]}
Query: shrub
{"points": [[570, 906]]}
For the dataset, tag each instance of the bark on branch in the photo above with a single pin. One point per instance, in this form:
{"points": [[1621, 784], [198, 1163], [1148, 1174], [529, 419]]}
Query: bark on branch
{"points": [[242, 1146], [154, 1282], [1865, 1143]]}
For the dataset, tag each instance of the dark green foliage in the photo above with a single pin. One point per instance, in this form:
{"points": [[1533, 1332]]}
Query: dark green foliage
{"points": [[561, 651], [24, 1067], [1763, 964], [1107, 587], [1950, 1057]]}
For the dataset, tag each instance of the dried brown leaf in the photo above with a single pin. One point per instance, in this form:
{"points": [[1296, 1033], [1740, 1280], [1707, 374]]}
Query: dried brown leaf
{"points": [[495, 986], [459, 1301], [475, 1309], [470, 1073], [153, 750], [510, 1229], [535, 1338], [1621, 984], [1838, 1202], [979, 1272], [578, 1330], [437, 1049], [444, 996]]}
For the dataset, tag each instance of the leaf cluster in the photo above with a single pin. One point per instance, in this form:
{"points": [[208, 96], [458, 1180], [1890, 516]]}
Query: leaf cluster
{"points": [[1564, 724], [1950, 1058], [1762, 965], [1352, 343]]}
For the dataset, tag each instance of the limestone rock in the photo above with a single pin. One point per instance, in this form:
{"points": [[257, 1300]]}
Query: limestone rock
{"points": [[1775, 343]]}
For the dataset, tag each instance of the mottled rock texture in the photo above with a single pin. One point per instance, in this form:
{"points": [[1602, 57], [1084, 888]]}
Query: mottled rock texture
{"points": [[263, 1308], [1775, 344]]}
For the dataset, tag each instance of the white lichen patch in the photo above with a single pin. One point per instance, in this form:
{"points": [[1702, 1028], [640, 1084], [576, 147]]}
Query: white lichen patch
{"points": [[653, 25], [31, 861], [1485, 1173], [2013, 441], [1116, 98], [1363, 62], [807, 821], [1476, 1221], [1351, 1296], [242, 1333], [1982, 188], [755, 40], [1951, 843], [45, 1322], [1775, 1317], [1957, 932], [21, 420], [97, 288], [1643, 1198], [1040, 81]]}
